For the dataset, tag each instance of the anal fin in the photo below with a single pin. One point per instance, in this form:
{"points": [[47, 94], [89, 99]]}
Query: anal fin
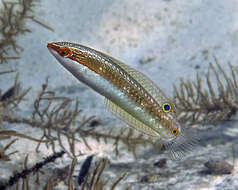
{"points": [[129, 119]]}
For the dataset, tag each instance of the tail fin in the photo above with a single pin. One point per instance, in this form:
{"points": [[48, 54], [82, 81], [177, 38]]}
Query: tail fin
{"points": [[182, 144]]}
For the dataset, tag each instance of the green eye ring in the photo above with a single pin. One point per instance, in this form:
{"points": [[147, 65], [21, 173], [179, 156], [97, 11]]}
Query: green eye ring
{"points": [[166, 107]]}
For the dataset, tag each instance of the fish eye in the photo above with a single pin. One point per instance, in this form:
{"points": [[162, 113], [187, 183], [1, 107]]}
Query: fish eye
{"points": [[166, 107], [175, 132], [64, 51]]}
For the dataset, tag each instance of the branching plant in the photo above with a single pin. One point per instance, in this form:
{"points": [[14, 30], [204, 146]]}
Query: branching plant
{"points": [[13, 16], [25, 173], [218, 102], [94, 179], [9, 100], [50, 114]]}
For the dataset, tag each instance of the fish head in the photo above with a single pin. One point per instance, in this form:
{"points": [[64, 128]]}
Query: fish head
{"points": [[168, 121], [69, 54], [171, 129], [177, 139]]}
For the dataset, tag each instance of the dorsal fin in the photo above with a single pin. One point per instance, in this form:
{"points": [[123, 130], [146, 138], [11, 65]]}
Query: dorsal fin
{"points": [[156, 93]]}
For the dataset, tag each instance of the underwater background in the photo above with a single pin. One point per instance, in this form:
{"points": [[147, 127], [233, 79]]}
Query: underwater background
{"points": [[188, 48]]}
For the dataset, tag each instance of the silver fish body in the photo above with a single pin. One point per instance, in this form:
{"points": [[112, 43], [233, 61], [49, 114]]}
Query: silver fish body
{"points": [[129, 94]]}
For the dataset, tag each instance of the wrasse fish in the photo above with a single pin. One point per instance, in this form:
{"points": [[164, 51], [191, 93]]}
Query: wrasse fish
{"points": [[129, 94]]}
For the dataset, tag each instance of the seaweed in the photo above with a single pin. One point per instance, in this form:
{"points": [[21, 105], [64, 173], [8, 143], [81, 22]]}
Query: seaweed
{"points": [[95, 181], [51, 113], [13, 16], [8, 102], [199, 105], [3, 155], [27, 171], [12, 97]]}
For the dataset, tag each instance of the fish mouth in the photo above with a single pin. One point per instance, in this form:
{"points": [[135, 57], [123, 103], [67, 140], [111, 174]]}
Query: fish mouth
{"points": [[53, 46]]}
